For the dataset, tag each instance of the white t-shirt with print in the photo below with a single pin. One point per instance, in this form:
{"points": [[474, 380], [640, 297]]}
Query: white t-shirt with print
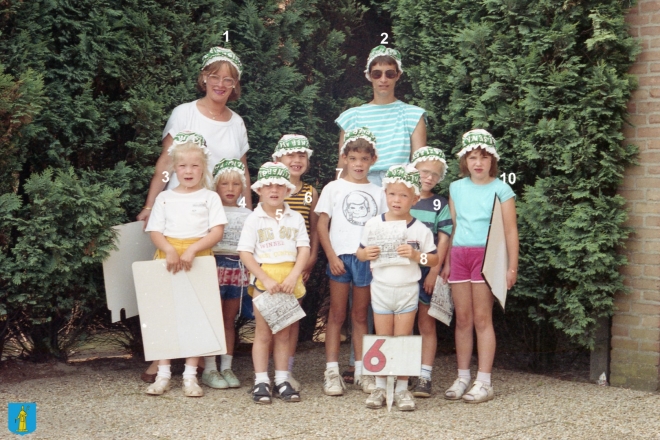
{"points": [[192, 215], [225, 140], [419, 236], [236, 216], [272, 241], [349, 206]]}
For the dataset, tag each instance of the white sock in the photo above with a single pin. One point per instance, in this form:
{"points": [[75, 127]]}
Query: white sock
{"points": [[190, 371], [329, 365], [425, 373], [358, 369], [261, 378], [483, 377], [401, 385], [381, 382], [465, 374], [281, 376], [164, 371], [225, 362], [291, 359], [209, 364]]}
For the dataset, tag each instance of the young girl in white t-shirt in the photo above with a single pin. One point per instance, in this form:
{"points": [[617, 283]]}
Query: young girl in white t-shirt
{"points": [[185, 223], [471, 204]]}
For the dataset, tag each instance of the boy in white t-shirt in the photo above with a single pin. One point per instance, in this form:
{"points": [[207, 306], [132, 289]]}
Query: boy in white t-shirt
{"points": [[394, 289], [349, 202]]}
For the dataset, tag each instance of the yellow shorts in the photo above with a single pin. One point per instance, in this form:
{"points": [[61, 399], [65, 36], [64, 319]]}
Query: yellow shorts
{"points": [[181, 244], [278, 272]]}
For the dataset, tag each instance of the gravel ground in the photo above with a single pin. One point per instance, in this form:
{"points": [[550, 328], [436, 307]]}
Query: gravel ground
{"points": [[106, 400]]}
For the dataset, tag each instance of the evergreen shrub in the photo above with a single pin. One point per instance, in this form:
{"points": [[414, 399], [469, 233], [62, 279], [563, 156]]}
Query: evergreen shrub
{"points": [[548, 79]]}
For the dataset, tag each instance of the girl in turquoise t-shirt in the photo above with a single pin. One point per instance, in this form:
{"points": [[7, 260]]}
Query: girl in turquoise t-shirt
{"points": [[470, 203]]}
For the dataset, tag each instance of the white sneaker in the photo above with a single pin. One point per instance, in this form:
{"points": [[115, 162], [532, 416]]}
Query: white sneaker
{"points": [[368, 383], [333, 384], [404, 400], [376, 399]]}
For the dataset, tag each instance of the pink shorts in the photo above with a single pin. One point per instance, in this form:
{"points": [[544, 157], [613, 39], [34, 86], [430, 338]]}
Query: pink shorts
{"points": [[466, 263]]}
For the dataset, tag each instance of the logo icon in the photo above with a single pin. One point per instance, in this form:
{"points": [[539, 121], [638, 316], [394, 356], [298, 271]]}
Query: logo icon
{"points": [[22, 417]]}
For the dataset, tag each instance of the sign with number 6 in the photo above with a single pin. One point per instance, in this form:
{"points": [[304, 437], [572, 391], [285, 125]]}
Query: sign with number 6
{"points": [[392, 355]]}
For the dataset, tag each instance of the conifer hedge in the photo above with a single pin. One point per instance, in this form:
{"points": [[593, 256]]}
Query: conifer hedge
{"points": [[548, 79], [85, 91]]}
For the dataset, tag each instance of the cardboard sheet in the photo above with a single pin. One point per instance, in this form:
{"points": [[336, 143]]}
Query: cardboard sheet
{"points": [[391, 355], [133, 245], [180, 314], [496, 258]]}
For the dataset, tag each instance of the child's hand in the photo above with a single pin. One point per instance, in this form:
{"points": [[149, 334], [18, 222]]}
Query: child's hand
{"points": [[429, 281], [444, 273], [272, 286], [511, 278], [372, 252], [336, 266], [186, 260], [288, 285], [407, 251], [173, 261]]}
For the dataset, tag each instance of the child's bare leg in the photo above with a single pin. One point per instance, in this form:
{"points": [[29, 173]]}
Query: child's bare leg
{"points": [[336, 317], [261, 345], [464, 333], [361, 301], [384, 326], [403, 326], [281, 349], [152, 368], [294, 331], [229, 311], [192, 361], [426, 325], [482, 306]]}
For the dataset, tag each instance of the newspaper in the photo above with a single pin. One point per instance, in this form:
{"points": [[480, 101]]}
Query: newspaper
{"points": [[280, 310], [233, 228], [442, 307], [388, 236]]}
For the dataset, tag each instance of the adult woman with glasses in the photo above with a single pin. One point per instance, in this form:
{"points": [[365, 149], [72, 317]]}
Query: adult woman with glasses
{"points": [[222, 128], [400, 128], [226, 138]]}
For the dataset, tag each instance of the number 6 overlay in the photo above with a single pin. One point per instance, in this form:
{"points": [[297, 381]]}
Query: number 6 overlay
{"points": [[392, 355]]}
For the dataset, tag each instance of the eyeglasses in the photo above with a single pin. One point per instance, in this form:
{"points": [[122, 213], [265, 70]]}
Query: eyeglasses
{"points": [[226, 81], [389, 74], [424, 174]]}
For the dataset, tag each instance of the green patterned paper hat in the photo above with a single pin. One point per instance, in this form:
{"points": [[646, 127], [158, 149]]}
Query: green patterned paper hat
{"points": [[358, 133], [382, 51], [406, 174], [273, 173], [227, 166], [478, 138], [292, 143], [430, 153], [187, 136], [221, 54]]}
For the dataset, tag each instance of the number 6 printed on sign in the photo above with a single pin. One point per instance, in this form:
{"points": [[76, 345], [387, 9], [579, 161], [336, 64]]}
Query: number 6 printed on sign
{"points": [[391, 355]]}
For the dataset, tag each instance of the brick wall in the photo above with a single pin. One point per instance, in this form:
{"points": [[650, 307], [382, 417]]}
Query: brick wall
{"points": [[635, 355]]}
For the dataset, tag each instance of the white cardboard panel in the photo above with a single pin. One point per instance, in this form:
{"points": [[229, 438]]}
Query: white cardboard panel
{"points": [[180, 314], [496, 259], [399, 355], [133, 245]]}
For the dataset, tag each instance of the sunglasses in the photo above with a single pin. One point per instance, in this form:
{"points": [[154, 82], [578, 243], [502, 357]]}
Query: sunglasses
{"points": [[389, 74]]}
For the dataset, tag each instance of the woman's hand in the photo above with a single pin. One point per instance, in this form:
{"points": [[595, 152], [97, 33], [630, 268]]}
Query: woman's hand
{"points": [[144, 216]]}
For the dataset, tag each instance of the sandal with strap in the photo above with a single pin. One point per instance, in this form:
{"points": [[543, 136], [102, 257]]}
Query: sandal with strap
{"points": [[456, 391], [261, 393], [480, 392], [157, 388], [348, 376], [286, 392]]}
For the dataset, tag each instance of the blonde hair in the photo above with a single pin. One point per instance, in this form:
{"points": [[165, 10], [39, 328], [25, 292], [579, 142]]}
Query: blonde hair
{"points": [[230, 175], [190, 147]]}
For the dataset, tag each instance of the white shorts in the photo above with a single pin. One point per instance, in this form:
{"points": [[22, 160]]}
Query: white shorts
{"points": [[394, 300]]}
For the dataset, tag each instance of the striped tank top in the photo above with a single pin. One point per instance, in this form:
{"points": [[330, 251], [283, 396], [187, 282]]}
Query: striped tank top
{"points": [[302, 203]]}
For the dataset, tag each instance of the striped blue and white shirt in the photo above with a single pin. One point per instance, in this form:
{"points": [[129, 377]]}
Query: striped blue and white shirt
{"points": [[392, 124]]}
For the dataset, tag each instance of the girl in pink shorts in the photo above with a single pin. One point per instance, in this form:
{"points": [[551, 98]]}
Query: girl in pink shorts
{"points": [[470, 203]]}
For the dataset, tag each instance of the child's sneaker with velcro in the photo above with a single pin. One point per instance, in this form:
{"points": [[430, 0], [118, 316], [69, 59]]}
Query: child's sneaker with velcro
{"points": [[333, 384], [376, 399], [404, 400]]}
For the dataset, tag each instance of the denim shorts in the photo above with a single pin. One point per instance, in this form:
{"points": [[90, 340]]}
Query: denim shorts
{"points": [[232, 276], [357, 272], [424, 297]]}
